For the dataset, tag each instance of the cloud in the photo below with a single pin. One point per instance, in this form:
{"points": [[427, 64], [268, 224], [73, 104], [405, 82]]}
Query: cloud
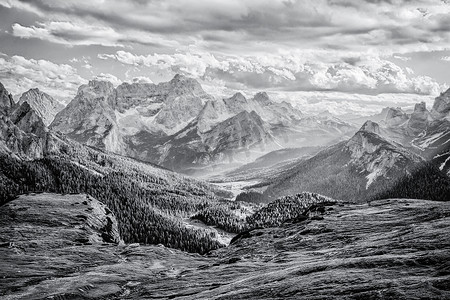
{"points": [[253, 25], [290, 71], [141, 79], [352, 46], [403, 58], [68, 33], [81, 33], [108, 77], [445, 58], [354, 104], [19, 74]]}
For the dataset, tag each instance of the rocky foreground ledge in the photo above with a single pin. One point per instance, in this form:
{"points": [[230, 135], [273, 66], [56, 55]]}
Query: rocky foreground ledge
{"points": [[67, 247]]}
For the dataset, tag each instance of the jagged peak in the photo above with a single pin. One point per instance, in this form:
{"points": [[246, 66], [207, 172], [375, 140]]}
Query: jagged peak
{"points": [[262, 98], [370, 126], [238, 96], [95, 83], [34, 91], [394, 112], [6, 100], [181, 83], [247, 115], [179, 77], [441, 105], [420, 107]]}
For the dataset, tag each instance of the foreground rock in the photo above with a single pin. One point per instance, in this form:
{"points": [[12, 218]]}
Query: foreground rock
{"points": [[390, 249]]}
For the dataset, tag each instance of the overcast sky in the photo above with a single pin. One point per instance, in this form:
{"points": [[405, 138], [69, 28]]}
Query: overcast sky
{"points": [[340, 54]]}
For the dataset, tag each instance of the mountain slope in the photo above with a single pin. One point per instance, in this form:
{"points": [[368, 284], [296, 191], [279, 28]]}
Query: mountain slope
{"points": [[239, 138], [427, 133], [355, 170]]}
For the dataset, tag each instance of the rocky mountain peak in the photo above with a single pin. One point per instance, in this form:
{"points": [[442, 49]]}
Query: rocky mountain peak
{"points": [[395, 116], [420, 107], [394, 113], [43, 104], [238, 97], [441, 106], [6, 100], [178, 78], [262, 98], [181, 84], [419, 119], [370, 126], [99, 86]]}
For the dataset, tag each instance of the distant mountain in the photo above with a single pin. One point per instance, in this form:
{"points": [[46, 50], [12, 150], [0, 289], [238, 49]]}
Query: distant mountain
{"points": [[239, 138], [356, 170], [179, 126], [45, 106], [426, 133]]}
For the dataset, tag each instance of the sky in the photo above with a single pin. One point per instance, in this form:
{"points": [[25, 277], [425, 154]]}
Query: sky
{"points": [[345, 56]]}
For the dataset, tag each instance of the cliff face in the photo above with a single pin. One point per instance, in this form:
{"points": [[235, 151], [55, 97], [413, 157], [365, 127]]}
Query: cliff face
{"points": [[6, 101], [22, 132], [441, 106], [45, 106]]}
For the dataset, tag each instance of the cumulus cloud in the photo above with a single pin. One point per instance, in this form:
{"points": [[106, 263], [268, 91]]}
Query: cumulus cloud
{"points": [[445, 58], [141, 79], [344, 104], [290, 71], [19, 74], [108, 77], [311, 45]]}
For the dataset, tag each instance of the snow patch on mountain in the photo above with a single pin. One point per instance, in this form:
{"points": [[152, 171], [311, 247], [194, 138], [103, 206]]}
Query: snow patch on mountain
{"points": [[430, 140]]}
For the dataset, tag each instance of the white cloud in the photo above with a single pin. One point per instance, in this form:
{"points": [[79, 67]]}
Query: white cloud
{"points": [[141, 79], [404, 58], [19, 74], [299, 70], [80, 33], [108, 77], [69, 33], [343, 103], [445, 58]]}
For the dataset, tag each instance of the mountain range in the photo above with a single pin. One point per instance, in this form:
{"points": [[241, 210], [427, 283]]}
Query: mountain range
{"points": [[404, 155], [177, 125]]}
